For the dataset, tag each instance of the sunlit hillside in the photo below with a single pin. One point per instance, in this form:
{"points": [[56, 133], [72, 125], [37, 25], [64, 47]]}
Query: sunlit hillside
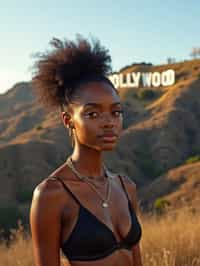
{"points": [[180, 189]]}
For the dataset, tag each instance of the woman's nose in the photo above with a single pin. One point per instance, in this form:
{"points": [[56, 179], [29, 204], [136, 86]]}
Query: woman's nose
{"points": [[107, 119]]}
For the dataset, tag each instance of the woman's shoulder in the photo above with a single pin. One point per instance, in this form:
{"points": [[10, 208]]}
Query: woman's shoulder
{"points": [[49, 187], [47, 190]]}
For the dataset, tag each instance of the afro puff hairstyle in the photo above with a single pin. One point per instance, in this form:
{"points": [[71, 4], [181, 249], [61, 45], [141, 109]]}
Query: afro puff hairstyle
{"points": [[58, 72]]}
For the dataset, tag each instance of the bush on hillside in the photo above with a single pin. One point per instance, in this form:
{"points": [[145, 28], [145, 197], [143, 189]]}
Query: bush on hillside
{"points": [[193, 159], [182, 75], [160, 205], [23, 194], [145, 94], [147, 164], [9, 215], [39, 127], [148, 167]]}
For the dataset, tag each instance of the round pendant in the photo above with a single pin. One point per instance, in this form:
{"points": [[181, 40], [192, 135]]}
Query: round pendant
{"points": [[105, 204]]}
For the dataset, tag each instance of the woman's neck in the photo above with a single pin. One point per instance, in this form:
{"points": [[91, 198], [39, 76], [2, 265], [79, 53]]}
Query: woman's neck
{"points": [[87, 161]]}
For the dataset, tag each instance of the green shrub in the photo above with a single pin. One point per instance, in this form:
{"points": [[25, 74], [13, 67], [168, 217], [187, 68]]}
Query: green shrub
{"points": [[39, 127], [145, 94], [147, 164], [193, 159], [9, 214], [24, 194], [160, 204]]}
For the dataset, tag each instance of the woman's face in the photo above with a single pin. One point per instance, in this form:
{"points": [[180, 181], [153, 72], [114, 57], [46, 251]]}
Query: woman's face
{"points": [[95, 112]]}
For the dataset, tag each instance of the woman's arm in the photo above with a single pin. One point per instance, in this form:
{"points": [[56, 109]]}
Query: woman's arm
{"points": [[45, 221], [137, 260]]}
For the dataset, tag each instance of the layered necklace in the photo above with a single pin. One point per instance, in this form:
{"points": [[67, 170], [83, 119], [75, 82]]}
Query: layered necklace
{"points": [[86, 179]]}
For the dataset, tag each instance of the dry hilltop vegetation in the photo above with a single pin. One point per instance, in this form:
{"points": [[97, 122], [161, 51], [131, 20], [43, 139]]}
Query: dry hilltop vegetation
{"points": [[159, 147]]}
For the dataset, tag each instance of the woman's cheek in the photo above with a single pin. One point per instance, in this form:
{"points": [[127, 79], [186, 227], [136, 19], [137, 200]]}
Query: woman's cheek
{"points": [[85, 130]]}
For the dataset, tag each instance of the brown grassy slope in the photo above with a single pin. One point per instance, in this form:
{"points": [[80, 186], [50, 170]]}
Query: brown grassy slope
{"points": [[24, 121], [180, 186], [16, 99]]}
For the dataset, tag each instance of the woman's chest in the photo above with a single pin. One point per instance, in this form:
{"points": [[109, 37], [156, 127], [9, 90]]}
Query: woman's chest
{"points": [[90, 218], [95, 231]]}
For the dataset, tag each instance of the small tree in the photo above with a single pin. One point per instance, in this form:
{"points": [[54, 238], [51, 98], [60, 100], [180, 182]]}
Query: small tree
{"points": [[171, 60], [9, 215], [160, 205], [146, 94], [39, 127], [193, 159], [195, 52]]}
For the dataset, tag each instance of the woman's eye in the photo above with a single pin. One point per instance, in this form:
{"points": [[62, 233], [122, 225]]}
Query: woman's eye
{"points": [[95, 114], [119, 112], [92, 114]]}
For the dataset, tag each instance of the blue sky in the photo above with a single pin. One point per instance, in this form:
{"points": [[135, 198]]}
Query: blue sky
{"points": [[133, 31]]}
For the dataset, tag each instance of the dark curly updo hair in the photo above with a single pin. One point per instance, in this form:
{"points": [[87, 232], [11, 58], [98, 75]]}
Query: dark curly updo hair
{"points": [[57, 73]]}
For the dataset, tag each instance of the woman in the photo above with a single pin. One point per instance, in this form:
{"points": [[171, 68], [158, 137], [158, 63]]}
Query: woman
{"points": [[82, 207]]}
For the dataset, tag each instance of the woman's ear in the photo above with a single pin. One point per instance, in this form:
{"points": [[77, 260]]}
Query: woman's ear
{"points": [[65, 116]]}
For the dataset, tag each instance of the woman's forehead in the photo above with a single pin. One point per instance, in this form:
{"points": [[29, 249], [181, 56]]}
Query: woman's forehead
{"points": [[100, 104], [97, 93]]}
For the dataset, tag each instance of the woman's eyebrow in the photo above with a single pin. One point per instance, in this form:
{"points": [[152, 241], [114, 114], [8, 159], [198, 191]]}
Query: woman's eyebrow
{"points": [[98, 104]]}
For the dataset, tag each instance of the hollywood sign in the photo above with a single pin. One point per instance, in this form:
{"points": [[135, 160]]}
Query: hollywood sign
{"points": [[144, 79]]}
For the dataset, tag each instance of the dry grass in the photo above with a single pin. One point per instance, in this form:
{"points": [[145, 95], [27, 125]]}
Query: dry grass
{"points": [[173, 240], [19, 253]]}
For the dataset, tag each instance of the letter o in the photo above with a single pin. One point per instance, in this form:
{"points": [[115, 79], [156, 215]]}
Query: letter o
{"points": [[156, 79], [168, 77]]}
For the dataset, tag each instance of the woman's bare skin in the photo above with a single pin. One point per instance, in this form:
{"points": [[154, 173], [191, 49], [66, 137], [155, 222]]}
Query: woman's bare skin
{"points": [[54, 212]]}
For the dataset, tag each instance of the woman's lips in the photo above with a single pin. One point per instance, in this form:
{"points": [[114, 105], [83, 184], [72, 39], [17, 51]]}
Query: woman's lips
{"points": [[109, 138]]}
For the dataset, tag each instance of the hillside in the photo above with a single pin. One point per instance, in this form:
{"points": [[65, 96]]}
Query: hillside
{"points": [[159, 134], [179, 186]]}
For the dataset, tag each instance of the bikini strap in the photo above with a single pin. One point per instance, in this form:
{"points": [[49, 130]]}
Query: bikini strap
{"points": [[68, 190], [76, 199], [120, 177]]}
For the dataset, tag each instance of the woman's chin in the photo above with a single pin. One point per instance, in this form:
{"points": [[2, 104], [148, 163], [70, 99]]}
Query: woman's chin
{"points": [[108, 146]]}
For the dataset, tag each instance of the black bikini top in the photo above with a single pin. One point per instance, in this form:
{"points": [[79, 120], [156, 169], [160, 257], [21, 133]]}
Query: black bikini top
{"points": [[91, 239]]}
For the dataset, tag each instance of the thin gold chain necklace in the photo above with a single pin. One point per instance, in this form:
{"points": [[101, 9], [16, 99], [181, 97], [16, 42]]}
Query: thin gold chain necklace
{"points": [[84, 178]]}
